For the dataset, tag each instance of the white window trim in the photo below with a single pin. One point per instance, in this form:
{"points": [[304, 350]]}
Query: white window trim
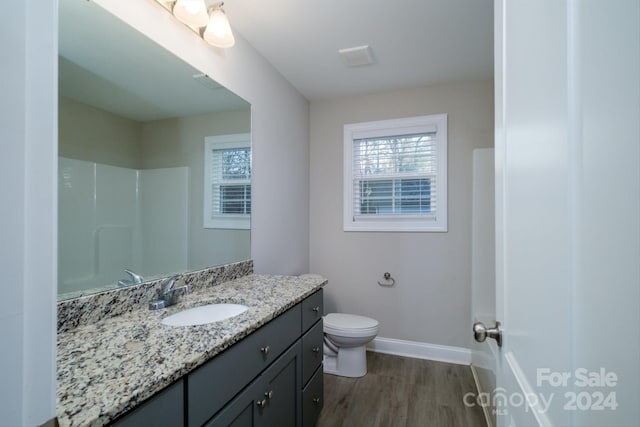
{"points": [[226, 221], [394, 127]]}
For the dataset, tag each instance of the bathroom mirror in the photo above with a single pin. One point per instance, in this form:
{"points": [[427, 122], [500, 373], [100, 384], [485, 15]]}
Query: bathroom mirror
{"points": [[133, 120]]}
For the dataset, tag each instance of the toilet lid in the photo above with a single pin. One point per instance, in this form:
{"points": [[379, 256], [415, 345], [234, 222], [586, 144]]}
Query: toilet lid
{"points": [[349, 321]]}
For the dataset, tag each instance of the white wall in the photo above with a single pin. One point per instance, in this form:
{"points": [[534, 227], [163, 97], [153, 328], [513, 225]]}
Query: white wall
{"points": [[279, 131], [28, 217], [431, 300]]}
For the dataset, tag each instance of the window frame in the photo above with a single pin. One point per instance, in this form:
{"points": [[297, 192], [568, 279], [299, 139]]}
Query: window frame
{"points": [[388, 128], [219, 220]]}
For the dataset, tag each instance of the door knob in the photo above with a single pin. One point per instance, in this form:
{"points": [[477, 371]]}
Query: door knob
{"points": [[481, 332]]}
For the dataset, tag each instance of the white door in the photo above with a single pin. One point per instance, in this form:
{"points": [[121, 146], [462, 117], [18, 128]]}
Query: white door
{"points": [[567, 150]]}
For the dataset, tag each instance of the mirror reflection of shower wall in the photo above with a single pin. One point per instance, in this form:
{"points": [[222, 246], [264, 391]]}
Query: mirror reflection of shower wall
{"points": [[100, 228], [131, 194]]}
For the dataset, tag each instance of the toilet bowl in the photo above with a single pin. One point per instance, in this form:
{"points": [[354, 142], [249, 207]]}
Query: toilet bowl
{"points": [[345, 338]]}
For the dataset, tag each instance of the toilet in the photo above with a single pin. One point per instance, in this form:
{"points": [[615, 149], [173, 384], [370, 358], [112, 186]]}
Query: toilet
{"points": [[345, 339]]}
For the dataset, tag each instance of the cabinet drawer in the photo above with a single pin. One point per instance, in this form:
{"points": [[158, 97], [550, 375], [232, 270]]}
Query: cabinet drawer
{"points": [[312, 353], [313, 399], [211, 386], [164, 409], [312, 310]]}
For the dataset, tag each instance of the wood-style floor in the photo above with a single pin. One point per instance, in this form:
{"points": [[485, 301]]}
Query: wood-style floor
{"points": [[401, 392]]}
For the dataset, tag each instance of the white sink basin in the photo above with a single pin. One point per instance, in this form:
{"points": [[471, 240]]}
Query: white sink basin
{"points": [[204, 314]]}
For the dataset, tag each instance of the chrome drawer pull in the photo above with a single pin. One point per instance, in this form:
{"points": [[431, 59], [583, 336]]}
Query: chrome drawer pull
{"points": [[316, 400], [261, 403], [269, 394], [265, 350], [316, 349], [316, 309]]}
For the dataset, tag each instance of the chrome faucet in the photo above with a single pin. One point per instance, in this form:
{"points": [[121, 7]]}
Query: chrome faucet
{"points": [[135, 279], [168, 293]]}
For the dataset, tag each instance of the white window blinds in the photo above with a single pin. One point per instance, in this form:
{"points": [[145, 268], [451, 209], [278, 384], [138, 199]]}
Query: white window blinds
{"points": [[227, 186], [395, 175], [231, 181]]}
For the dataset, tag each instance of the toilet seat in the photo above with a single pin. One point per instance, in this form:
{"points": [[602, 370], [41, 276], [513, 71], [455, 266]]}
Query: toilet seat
{"points": [[350, 325]]}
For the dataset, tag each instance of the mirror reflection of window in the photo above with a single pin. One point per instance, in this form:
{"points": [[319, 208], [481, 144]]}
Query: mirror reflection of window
{"points": [[227, 187]]}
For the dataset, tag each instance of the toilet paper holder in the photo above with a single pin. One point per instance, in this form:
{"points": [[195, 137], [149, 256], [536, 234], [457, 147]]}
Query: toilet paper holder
{"points": [[387, 278]]}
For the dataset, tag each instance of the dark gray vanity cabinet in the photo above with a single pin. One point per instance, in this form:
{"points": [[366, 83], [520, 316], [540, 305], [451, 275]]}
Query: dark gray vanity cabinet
{"points": [[270, 400], [270, 378], [288, 392], [312, 354], [216, 382], [165, 409]]}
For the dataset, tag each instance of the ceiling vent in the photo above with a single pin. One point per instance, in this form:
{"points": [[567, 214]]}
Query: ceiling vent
{"points": [[356, 56]]}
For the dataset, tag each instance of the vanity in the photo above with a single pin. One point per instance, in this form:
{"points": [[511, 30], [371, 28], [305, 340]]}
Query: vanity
{"points": [[260, 368]]}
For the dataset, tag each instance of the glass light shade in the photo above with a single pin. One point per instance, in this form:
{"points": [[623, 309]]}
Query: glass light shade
{"points": [[218, 32], [191, 12]]}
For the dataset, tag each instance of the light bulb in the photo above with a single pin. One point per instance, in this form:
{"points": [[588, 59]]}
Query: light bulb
{"points": [[219, 23], [193, 7], [191, 12], [218, 32]]}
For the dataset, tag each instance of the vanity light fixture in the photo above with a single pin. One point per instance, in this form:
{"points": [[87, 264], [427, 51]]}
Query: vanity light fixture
{"points": [[218, 32], [211, 23]]}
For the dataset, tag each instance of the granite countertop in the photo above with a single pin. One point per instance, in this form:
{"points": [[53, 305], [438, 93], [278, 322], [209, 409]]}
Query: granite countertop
{"points": [[108, 367]]}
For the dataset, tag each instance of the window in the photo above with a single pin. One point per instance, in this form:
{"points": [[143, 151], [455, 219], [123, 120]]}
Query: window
{"points": [[227, 181], [395, 175]]}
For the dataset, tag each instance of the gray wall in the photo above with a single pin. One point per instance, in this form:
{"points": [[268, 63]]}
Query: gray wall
{"points": [[431, 300], [95, 135], [180, 142]]}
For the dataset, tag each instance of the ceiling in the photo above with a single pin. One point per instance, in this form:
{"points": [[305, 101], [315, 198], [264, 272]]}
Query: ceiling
{"points": [[413, 42]]}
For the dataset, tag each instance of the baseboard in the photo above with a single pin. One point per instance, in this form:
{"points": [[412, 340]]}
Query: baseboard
{"points": [[420, 350], [485, 408]]}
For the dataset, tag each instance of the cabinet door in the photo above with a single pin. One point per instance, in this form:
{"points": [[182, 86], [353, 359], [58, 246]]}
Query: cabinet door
{"points": [[283, 386], [244, 410], [165, 409], [271, 400]]}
